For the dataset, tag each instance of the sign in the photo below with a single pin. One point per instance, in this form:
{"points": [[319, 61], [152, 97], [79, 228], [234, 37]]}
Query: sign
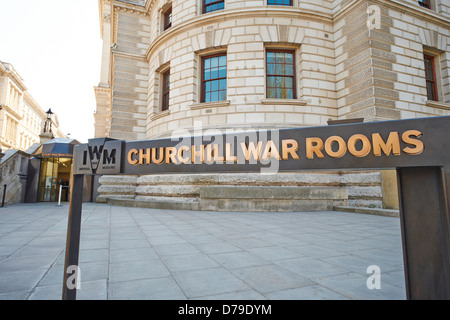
{"points": [[389, 144], [99, 156], [419, 150]]}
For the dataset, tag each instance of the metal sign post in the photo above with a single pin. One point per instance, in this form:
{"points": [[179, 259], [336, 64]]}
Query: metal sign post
{"points": [[419, 149], [73, 236]]}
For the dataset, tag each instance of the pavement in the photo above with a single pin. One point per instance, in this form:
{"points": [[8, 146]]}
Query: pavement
{"points": [[153, 254]]}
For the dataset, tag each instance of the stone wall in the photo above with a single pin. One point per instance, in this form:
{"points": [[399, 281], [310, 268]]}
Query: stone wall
{"points": [[130, 74], [244, 31]]}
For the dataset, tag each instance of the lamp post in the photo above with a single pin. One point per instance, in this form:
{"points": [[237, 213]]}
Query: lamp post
{"points": [[48, 122]]}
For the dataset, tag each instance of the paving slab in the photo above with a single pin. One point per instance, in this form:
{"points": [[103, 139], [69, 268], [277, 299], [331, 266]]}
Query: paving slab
{"points": [[155, 254]]}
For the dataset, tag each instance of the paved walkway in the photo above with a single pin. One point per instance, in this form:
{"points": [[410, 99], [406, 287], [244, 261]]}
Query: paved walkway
{"points": [[134, 253]]}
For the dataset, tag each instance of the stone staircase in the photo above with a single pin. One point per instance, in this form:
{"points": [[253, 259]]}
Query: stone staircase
{"points": [[13, 174], [311, 191]]}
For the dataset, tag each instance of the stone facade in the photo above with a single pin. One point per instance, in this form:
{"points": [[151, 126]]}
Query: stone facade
{"points": [[21, 118], [353, 59]]}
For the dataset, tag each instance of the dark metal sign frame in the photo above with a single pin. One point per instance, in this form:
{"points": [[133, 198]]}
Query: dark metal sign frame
{"points": [[419, 150]]}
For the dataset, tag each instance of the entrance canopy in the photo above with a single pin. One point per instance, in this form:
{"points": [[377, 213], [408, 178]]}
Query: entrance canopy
{"points": [[57, 148]]}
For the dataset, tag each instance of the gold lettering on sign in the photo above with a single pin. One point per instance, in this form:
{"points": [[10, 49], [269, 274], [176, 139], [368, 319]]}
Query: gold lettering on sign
{"points": [[252, 151], [392, 144], [406, 137], [270, 151], [289, 147], [358, 145], [365, 150], [342, 147], [314, 146], [130, 157]]}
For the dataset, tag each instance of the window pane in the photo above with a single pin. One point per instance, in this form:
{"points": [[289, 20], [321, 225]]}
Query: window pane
{"points": [[279, 82], [289, 70], [288, 83], [279, 69], [290, 94], [214, 85], [207, 74], [214, 73], [430, 91], [280, 57], [289, 58], [429, 69], [271, 68], [222, 95], [271, 82], [222, 72], [223, 61], [270, 57], [214, 62], [279, 2], [223, 84], [215, 96], [271, 93]]}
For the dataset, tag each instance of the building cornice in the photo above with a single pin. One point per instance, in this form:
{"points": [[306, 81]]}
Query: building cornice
{"points": [[11, 112], [123, 6], [33, 104], [129, 7], [13, 75], [402, 6], [140, 3]]}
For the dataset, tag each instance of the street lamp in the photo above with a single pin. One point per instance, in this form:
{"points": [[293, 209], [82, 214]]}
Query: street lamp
{"points": [[49, 114], [48, 123]]}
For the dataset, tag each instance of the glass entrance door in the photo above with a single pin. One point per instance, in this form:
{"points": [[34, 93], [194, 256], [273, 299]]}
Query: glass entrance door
{"points": [[55, 172]]}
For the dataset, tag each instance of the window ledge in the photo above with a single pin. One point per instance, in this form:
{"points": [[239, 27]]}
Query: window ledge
{"points": [[158, 115], [204, 105], [297, 102], [436, 104]]}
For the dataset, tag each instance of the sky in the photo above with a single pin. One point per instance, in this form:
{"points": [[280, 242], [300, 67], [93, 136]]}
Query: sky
{"points": [[55, 46]]}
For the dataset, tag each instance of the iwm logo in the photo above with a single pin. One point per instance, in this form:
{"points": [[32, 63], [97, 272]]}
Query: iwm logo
{"points": [[99, 156]]}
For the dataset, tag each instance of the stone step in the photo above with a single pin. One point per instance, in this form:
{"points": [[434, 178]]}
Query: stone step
{"points": [[265, 193], [157, 203], [364, 210], [235, 198]]}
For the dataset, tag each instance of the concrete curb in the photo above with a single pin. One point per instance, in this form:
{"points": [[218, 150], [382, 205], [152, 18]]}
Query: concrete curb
{"points": [[373, 211]]}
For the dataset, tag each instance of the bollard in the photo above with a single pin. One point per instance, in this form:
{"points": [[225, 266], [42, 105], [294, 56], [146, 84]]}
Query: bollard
{"points": [[59, 197]]}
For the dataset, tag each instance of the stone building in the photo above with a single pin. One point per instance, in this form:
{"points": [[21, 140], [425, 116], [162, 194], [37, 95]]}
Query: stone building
{"points": [[230, 64], [22, 119], [24, 127]]}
